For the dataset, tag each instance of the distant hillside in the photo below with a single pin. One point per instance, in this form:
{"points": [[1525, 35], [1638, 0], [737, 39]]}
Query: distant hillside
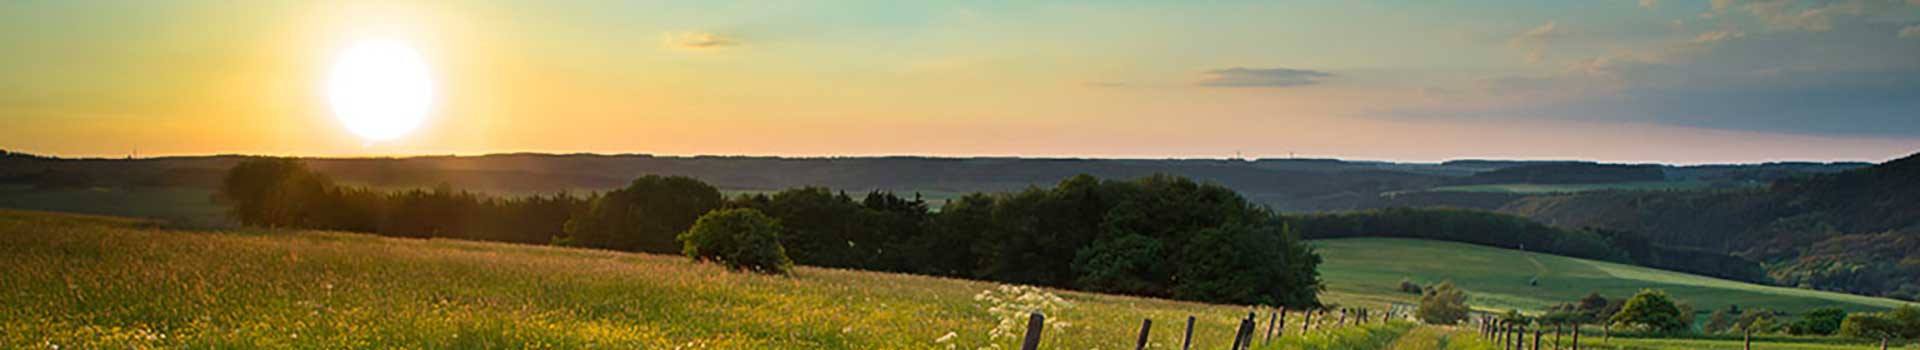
{"points": [[1284, 184], [1793, 225], [1569, 173]]}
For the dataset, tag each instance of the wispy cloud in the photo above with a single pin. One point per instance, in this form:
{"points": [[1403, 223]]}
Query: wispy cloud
{"points": [[1262, 77], [1912, 31], [1534, 41], [1649, 3], [698, 40]]}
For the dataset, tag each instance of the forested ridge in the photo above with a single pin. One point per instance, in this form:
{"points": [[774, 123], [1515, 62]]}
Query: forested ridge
{"points": [[1853, 231]]}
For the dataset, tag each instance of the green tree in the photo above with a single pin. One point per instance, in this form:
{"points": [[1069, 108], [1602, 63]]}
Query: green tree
{"points": [[1719, 321], [1822, 321], [275, 192], [1870, 326], [1651, 310], [742, 239], [1247, 264], [645, 215], [1130, 264], [1442, 304]]}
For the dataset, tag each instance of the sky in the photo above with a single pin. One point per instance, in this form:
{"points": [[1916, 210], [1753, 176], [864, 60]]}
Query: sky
{"points": [[1630, 80]]}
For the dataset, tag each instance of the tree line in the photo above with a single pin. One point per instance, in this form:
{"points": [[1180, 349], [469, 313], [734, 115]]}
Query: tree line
{"points": [[1159, 236]]}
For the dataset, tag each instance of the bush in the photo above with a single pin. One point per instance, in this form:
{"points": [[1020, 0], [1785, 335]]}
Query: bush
{"points": [[741, 239], [1868, 326], [1823, 321], [1900, 323], [1443, 304], [1651, 310], [1407, 286]]}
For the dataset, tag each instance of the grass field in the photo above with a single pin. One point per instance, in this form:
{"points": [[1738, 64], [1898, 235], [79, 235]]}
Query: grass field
{"points": [[179, 206], [1497, 279], [99, 282], [95, 282]]}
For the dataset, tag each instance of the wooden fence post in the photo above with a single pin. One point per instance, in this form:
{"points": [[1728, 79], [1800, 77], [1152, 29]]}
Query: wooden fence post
{"points": [[1240, 335], [1187, 343], [1308, 321], [1272, 319], [1035, 323], [1746, 336], [1576, 336], [1282, 331], [1146, 325]]}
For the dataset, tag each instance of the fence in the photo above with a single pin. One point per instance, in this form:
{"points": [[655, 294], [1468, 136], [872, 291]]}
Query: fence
{"points": [[1244, 337]]}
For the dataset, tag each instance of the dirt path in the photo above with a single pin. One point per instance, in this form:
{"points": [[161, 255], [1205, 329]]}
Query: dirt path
{"points": [[1436, 337]]}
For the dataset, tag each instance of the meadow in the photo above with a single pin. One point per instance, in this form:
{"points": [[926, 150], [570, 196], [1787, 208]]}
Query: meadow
{"points": [[79, 281], [98, 282], [1498, 279]]}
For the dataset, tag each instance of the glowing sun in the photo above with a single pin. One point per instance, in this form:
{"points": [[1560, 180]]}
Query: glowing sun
{"points": [[380, 89]]}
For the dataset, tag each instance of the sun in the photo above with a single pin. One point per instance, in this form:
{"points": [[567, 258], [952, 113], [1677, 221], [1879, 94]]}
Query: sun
{"points": [[380, 89]]}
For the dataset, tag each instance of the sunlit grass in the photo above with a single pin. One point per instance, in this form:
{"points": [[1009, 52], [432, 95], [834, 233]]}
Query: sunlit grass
{"points": [[93, 282]]}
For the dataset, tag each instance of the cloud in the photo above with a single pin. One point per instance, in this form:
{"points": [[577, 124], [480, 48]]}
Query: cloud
{"points": [[1656, 3], [1535, 41], [1912, 31], [1808, 15], [698, 41], [1852, 80], [1262, 77], [1104, 84]]}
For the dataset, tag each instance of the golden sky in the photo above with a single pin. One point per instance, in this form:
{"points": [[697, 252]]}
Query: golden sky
{"points": [[1613, 81]]}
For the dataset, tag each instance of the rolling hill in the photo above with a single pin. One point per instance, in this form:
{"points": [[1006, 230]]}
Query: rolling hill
{"points": [[88, 281], [1497, 279]]}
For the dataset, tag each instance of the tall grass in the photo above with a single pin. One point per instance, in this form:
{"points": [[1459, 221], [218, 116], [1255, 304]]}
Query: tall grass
{"points": [[1368, 336], [72, 281]]}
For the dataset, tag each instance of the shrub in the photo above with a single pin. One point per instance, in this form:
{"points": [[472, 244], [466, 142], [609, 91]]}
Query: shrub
{"points": [[1407, 286], [1823, 321], [741, 239], [1900, 323], [1442, 304], [1651, 310], [1869, 326]]}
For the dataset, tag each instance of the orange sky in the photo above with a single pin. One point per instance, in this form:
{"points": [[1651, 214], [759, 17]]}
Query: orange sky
{"points": [[1092, 80]]}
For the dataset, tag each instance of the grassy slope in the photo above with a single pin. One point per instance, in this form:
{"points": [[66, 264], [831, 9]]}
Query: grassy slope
{"points": [[1371, 268], [96, 282]]}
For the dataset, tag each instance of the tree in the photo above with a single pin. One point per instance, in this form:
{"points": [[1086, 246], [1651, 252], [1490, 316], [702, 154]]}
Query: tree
{"points": [[645, 215], [1869, 326], [1442, 304], [1822, 321], [741, 239], [274, 192], [1129, 264], [1719, 321], [1247, 264], [1651, 310]]}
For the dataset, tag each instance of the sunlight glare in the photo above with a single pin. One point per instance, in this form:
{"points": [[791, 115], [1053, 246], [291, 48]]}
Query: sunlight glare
{"points": [[380, 89]]}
